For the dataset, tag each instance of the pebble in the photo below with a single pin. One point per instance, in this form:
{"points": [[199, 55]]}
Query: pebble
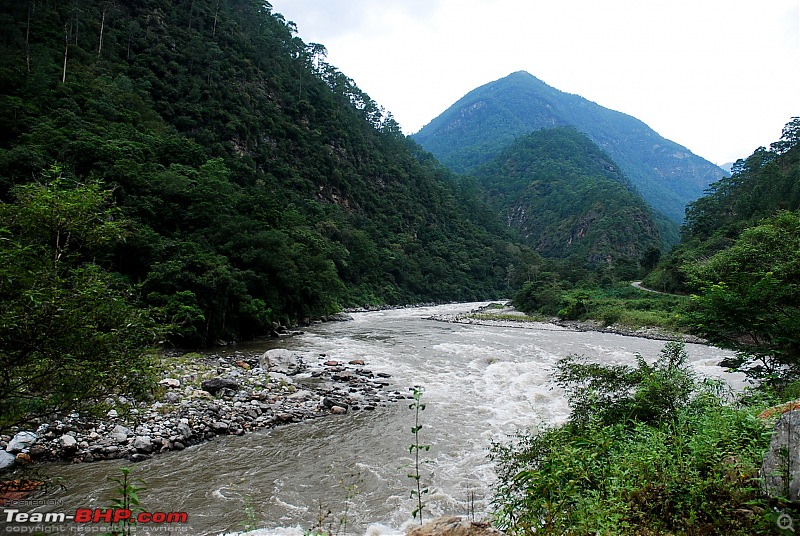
{"points": [[246, 397]]}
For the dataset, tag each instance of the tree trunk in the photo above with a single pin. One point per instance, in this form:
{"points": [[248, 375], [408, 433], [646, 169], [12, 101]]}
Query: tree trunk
{"points": [[28, 40], [66, 52], [77, 22], [102, 27], [191, 11], [214, 28]]}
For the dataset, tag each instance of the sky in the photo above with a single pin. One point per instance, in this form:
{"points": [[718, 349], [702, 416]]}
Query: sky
{"points": [[720, 77]]}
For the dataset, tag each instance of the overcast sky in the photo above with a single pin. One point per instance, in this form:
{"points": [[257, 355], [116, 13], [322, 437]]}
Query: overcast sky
{"points": [[720, 77]]}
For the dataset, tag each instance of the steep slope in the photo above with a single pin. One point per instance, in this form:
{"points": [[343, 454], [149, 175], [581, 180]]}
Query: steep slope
{"points": [[262, 183], [479, 125], [761, 186], [566, 197]]}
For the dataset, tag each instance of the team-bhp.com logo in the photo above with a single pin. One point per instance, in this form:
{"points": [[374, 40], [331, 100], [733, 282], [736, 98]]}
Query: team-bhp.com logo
{"points": [[16, 519]]}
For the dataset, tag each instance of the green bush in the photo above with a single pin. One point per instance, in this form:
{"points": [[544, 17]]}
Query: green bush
{"points": [[647, 450]]}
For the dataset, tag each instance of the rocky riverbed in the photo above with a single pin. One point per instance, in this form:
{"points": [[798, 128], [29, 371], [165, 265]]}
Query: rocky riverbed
{"points": [[203, 396]]}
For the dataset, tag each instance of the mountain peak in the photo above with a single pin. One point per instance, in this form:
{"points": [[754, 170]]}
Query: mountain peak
{"points": [[480, 124]]}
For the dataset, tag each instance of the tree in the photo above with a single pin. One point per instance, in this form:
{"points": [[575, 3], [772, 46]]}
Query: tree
{"points": [[750, 299], [70, 334]]}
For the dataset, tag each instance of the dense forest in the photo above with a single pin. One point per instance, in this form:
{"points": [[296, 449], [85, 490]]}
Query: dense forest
{"points": [[482, 123], [657, 448], [565, 197], [761, 185], [257, 182]]}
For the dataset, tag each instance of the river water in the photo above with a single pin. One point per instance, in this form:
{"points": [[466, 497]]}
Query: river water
{"points": [[482, 384]]}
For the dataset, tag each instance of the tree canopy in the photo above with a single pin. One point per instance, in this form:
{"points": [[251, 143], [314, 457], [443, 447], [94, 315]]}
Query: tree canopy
{"points": [[71, 332]]}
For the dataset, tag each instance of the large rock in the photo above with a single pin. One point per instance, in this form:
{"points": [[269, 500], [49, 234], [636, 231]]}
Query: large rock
{"points": [[143, 444], [7, 460], [21, 441], [455, 526], [783, 458], [279, 360], [68, 442], [215, 385]]}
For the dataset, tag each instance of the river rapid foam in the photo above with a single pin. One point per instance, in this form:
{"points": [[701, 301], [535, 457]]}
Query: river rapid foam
{"points": [[482, 384]]}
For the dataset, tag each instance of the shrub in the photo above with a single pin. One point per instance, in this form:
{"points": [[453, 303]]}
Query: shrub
{"points": [[647, 450]]}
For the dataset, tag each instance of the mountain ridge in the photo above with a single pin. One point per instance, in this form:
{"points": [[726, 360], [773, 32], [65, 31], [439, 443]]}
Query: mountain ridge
{"points": [[477, 126]]}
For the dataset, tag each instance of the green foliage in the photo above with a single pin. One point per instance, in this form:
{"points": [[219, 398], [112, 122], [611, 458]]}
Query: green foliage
{"points": [[70, 332], [750, 298], [565, 197], [623, 305], [414, 449], [650, 450], [760, 186], [616, 394], [260, 182], [478, 127], [127, 498]]}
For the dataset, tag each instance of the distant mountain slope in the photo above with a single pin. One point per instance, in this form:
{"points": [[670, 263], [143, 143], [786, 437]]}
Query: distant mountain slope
{"points": [[477, 127], [566, 197], [761, 186]]}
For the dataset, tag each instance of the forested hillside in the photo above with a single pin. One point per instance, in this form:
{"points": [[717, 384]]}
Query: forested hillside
{"points": [[477, 127], [566, 197], [740, 258], [256, 181], [765, 183]]}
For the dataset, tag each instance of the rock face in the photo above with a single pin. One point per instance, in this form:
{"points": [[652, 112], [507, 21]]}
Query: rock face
{"points": [[781, 467], [455, 526]]}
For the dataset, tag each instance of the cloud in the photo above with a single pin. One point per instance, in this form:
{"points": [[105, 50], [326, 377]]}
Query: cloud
{"points": [[718, 76]]}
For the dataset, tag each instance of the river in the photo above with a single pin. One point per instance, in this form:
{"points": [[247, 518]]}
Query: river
{"points": [[482, 383]]}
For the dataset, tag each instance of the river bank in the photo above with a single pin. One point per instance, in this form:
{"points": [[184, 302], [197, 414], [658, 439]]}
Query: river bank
{"points": [[201, 397], [482, 384], [504, 315]]}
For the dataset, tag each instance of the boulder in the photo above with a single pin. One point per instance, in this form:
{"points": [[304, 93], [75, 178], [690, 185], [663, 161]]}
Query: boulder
{"points": [[220, 426], [7, 460], [455, 526], [172, 383], [279, 360], [184, 430], [68, 442], [122, 430], [329, 403], [21, 441], [215, 385], [143, 444], [783, 458]]}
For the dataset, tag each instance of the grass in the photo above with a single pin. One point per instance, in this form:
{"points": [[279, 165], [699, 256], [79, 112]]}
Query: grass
{"points": [[623, 306]]}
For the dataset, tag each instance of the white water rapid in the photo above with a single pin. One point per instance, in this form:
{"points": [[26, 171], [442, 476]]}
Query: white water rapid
{"points": [[481, 384]]}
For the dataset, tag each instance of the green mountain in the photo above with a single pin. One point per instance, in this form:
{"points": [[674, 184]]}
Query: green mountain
{"points": [[566, 197], [261, 183], [477, 128], [762, 185]]}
